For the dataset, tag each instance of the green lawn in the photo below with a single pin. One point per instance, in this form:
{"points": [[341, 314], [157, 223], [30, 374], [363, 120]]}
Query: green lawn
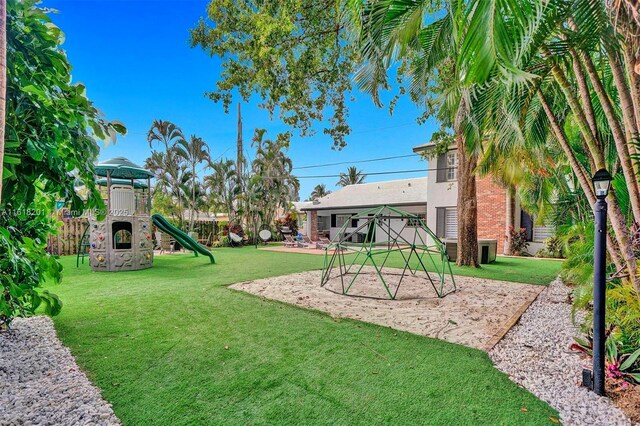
{"points": [[515, 269], [171, 345]]}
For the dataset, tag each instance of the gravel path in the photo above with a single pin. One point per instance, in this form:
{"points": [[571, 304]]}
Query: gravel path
{"points": [[535, 354], [40, 383]]}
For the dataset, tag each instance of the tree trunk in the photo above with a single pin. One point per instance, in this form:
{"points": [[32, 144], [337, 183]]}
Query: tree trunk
{"points": [[193, 198], [619, 136], [580, 172], [3, 83], [509, 224], [467, 199]]}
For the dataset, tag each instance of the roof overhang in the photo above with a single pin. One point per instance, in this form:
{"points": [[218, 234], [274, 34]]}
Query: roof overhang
{"points": [[369, 206]]}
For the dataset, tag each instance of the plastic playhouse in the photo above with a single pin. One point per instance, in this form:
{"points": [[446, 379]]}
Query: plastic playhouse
{"points": [[123, 240]]}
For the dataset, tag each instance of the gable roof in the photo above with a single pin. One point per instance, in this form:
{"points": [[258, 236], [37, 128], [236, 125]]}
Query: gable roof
{"points": [[392, 193]]}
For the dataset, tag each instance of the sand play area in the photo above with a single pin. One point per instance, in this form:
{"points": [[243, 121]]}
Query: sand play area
{"points": [[478, 314]]}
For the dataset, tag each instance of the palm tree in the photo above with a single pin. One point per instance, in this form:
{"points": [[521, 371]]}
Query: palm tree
{"points": [[223, 187], [352, 177], [276, 184], [3, 82], [168, 165], [397, 30], [194, 152], [542, 86], [319, 191]]}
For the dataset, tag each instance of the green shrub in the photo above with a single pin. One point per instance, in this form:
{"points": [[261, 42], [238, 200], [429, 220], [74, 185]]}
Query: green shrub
{"points": [[50, 144], [553, 248], [519, 241]]}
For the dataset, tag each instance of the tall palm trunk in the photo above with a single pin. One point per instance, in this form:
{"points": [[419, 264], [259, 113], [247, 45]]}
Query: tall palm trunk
{"points": [[509, 222], [618, 134], [622, 253], [3, 82], [193, 198], [467, 199]]}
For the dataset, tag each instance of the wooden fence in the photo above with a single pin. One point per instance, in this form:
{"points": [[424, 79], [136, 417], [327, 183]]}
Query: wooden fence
{"points": [[66, 241]]}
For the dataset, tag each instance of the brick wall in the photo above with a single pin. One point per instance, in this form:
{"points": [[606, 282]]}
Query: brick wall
{"points": [[492, 204], [313, 225]]}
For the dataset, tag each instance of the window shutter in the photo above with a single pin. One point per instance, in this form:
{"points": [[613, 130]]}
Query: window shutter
{"points": [[440, 218], [441, 172], [333, 220]]}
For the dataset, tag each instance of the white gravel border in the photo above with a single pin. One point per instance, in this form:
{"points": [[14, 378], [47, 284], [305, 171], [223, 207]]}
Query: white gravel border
{"points": [[40, 382], [535, 354]]}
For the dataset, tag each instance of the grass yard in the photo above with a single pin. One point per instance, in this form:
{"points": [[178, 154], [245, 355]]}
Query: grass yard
{"points": [[514, 269], [171, 345]]}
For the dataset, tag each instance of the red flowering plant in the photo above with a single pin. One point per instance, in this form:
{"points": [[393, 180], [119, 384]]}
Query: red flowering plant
{"points": [[519, 241]]}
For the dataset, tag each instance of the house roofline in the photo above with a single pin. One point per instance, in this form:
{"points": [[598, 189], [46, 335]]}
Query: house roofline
{"points": [[364, 206]]}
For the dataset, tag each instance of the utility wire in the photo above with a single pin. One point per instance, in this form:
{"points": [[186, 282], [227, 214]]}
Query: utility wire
{"points": [[371, 160], [393, 172]]}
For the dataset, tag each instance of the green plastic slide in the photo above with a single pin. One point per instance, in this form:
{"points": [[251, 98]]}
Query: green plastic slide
{"points": [[181, 237]]}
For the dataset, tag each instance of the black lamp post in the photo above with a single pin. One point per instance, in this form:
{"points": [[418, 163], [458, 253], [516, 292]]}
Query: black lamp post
{"points": [[601, 183]]}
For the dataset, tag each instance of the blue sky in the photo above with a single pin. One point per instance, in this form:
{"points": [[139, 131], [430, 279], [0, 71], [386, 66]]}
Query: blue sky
{"points": [[134, 58]]}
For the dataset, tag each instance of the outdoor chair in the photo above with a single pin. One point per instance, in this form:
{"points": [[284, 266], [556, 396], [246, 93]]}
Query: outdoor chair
{"points": [[235, 240], [289, 241], [305, 242], [323, 243], [164, 244]]}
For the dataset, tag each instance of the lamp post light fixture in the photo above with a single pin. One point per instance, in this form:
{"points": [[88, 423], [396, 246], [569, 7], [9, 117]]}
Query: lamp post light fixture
{"points": [[601, 184]]}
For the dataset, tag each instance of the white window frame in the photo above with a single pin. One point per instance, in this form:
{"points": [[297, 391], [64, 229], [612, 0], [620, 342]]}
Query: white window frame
{"points": [[451, 234], [452, 166], [542, 233], [341, 219]]}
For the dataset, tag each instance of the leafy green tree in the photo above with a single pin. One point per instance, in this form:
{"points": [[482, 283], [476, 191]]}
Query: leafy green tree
{"points": [[296, 55], [169, 167], [398, 31], [352, 177], [51, 136], [194, 152], [272, 179], [3, 81], [541, 85], [223, 187]]}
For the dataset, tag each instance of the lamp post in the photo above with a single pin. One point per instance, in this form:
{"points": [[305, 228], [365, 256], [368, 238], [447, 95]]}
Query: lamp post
{"points": [[601, 183]]}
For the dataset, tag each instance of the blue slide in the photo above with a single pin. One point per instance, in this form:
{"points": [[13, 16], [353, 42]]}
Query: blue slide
{"points": [[181, 237]]}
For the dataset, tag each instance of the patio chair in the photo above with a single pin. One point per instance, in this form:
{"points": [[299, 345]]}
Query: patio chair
{"points": [[305, 242], [235, 240], [164, 244], [323, 243], [289, 241]]}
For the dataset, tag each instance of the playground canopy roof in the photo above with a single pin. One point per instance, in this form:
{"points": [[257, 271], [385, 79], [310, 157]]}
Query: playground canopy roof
{"points": [[121, 168], [136, 184]]}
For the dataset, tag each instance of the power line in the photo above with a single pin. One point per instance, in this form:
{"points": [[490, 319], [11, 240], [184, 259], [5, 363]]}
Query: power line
{"points": [[371, 160], [391, 172]]}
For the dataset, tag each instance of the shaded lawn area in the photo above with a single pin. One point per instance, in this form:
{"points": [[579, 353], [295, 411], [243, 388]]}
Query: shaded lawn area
{"points": [[171, 345], [514, 269]]}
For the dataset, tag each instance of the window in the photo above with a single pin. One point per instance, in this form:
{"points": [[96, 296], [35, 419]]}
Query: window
{"points": [[451, 223], [323, 223], [341, 219], [447, 222], [537, 233], [452, 166], [415, 222], [541, 233]]}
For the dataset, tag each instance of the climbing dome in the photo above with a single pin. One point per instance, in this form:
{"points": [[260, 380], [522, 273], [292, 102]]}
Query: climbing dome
{"points": [[355, 260]]}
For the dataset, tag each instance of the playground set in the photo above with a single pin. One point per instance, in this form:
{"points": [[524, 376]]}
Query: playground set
{"points": [[386, 230], [123, 241]]}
